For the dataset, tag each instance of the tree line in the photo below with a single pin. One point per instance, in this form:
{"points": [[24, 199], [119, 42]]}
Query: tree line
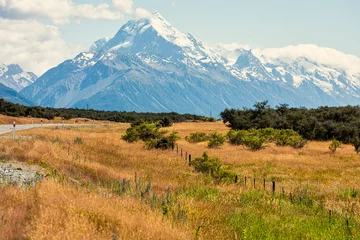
{"points": [[17, 110], [323, 123]]}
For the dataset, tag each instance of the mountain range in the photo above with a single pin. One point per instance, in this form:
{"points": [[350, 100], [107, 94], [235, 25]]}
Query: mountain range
{"points": [[149, 65], [14, 77]]}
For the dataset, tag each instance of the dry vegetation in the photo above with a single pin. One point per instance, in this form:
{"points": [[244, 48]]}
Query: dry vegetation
{"points": [[28, 120], [79, 198]]}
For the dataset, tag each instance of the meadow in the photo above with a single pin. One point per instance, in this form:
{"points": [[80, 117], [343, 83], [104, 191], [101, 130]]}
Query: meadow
{"points": [[98, 186]]}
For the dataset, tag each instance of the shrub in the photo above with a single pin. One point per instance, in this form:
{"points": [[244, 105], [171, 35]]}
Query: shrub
{"points": [[288, 137], [166, 122], [268, 133], [334, 145], [163, 143], [212, 167], [151, 135], [197, 137], [131, 135], [296, 142], [143, 131], [206, 165], [236, 137], [254, 142], [216, 140]]}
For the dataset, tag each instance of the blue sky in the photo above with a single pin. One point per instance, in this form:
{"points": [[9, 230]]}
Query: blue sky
{"points": [[39, 34], [259, 23]]}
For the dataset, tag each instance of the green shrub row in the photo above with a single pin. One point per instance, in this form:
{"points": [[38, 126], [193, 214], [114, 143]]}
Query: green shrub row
{"points": [[254, 139]]}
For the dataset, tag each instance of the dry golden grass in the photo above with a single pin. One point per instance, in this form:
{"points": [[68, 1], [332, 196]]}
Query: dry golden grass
{"points": [[71, 211], [28, 120]]}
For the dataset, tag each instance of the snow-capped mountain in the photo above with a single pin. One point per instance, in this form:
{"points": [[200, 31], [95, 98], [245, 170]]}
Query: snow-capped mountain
{"points": [[149, 65], [14, 77]]}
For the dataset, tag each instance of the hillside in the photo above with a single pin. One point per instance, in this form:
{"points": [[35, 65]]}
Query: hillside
{"points": [[103, 187], [11, 95]]}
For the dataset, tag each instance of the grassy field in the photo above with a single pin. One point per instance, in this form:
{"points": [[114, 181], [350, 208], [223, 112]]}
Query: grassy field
{"points": [[100, 187], [28, 120]]}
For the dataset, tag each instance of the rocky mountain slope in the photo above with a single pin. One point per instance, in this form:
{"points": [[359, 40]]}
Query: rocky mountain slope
{"points": [[151, 66], [14, 77]]}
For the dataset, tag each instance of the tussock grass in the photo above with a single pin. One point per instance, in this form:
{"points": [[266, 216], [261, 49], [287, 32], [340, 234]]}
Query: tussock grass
{"points": [[76, 202]]}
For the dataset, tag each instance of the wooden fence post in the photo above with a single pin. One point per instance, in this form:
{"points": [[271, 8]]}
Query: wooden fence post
{"points": [[264, 184], [189, 159], [273, 187]]}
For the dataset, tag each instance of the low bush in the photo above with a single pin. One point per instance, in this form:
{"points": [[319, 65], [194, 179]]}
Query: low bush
{"points": [[197, 137], [335, 144], [236, 137], [166, 122], [212, 167], [254, 142], [143, 131], [216, 140], [151, 135], [165, 142]]}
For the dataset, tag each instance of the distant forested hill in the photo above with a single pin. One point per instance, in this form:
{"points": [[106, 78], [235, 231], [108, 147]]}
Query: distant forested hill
{"points": [[11, 109]]}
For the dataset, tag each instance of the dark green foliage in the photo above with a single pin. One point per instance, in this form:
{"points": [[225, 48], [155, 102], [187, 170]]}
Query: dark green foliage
{"points": [[323, 123], [197, 137], [152, 136], [216, 140], [212, 167], [166, 122], [144, 132], [164, 142], [17, 110]]}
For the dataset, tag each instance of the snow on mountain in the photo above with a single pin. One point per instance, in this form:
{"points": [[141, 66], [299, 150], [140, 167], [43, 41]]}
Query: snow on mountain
{"points": [[14, 77], [149, 65], [230, 52], [98, 45]]}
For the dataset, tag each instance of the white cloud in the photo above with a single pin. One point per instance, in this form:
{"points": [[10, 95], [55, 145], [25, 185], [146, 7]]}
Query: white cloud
{"points": [[32, 45], [322, 55], [142, 13], [234, 46], [125, 6], [173, 4], [59, 11]]}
